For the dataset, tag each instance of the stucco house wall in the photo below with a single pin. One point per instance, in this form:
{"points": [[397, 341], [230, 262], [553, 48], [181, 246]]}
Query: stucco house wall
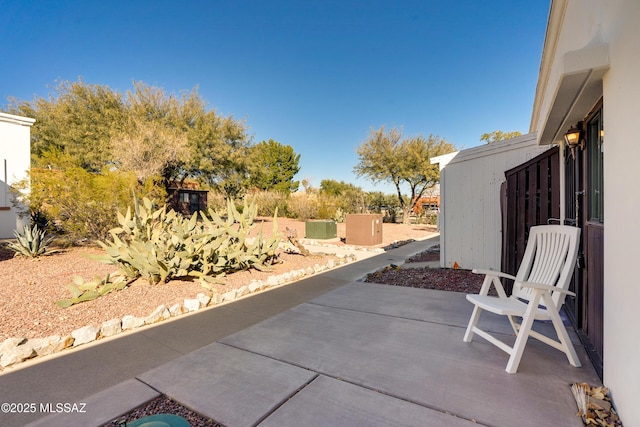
{"points": [[470, 219], [15, 159], [591, 51]]}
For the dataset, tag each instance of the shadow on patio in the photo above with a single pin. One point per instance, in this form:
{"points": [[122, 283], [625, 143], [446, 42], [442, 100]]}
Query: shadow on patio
{"points": [[368, 354]]}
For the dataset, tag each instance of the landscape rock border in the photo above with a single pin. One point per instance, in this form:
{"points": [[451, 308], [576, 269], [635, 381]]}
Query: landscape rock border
{"points": [[16, 350]]}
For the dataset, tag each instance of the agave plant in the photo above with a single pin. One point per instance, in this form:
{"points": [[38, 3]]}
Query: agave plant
{"points": [[160, 246], [31, 242]]}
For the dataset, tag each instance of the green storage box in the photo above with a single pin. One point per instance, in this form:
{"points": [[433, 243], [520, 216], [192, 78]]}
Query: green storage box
{"points": [[321, 230]]}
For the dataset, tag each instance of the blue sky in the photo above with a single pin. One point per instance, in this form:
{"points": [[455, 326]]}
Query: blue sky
{"points": [[316, 75]]}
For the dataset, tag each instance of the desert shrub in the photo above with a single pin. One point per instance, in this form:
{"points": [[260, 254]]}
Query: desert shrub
{"points": [[327, 207], [429, 218], [311, 204], [302, 206], [390, 216], [80, 205], [216, 201], [339, 215], [269, 202], [159, 244]]}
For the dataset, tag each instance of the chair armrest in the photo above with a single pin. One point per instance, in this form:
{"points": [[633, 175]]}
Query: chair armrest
{"points": [[492, 273], [492, 277], [546, 288]]}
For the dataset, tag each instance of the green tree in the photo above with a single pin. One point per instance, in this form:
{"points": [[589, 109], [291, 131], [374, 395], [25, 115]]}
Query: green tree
{"points": [[149, 149], [146, 135], [348, 197], [498, 135], [335, 188], [197, 143], [147, 132], [387, 204], [272, 166], [74, 125], [378, 201], [386, 157]]}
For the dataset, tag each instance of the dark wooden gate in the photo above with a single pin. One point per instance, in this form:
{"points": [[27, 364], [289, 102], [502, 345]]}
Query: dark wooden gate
{"points": [[531, 196]]}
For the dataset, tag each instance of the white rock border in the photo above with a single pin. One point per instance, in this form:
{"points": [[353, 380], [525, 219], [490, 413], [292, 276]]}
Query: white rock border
{"points": [[313, 242], [14, 351]]}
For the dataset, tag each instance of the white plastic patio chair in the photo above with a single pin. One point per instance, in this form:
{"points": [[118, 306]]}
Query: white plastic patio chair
{"points": [[539, 290]]}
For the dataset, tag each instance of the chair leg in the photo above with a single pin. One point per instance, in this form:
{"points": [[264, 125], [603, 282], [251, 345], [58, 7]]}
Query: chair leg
{"points": [[468, 335], [563, 336], [523, 334], [514, 324]]}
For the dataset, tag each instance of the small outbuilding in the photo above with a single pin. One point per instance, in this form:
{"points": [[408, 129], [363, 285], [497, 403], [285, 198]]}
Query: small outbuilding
{"points": [[470, 218], [187, 198]]}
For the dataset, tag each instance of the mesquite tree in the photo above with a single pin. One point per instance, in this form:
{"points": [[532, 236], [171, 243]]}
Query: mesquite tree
{"points": [[387, 157]]}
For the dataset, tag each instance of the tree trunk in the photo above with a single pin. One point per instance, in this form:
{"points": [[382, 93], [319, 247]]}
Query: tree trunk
{"points": [[406, 216]]}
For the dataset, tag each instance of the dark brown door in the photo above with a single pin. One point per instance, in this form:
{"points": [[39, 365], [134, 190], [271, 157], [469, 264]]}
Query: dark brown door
{"points": [[585, 208], [194, 203], [593, 231]]}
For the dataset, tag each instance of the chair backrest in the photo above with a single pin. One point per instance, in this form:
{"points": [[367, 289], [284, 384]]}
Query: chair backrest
{"points": [[549, 258]]}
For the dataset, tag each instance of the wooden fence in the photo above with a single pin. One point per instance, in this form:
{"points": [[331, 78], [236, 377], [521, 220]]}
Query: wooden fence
{"points": [[530, 196]]}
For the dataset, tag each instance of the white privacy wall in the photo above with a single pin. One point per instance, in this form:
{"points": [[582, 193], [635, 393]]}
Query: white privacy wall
{"points": [[470, 215], [600, 39], [15, 159]]}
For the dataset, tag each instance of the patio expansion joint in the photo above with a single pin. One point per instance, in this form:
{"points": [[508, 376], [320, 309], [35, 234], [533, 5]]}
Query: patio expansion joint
{"points": [[285, 400], [148, 385], [373, 313], [452, 325], [357, 384], [266, 356]]}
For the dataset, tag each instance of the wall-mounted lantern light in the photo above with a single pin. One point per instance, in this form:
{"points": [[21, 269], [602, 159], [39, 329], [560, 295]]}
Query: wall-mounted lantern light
{"points": [[574, 140]]}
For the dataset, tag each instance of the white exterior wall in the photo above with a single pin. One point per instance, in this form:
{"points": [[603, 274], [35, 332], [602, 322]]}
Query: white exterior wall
{"points": [[621, 88], [15, 159], [615, 24], [470, 218]]}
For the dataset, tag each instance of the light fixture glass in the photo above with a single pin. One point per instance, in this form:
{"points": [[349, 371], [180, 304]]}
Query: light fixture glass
{"points": [[572, 137]]}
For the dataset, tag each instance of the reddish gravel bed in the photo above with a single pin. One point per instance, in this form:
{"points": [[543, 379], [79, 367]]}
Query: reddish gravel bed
{"points": [[163, 405], [30, 287], [443, 279]]}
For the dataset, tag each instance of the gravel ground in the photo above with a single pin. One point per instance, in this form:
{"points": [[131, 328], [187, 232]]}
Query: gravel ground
{"points": [[444, 279], [163, 405], [29, 288]]}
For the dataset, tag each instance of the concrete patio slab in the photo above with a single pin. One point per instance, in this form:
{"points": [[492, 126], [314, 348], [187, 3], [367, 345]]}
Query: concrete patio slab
{"points": [[423, 362], [233, 387], [450, 308], [101, 407], [331, 402]]}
